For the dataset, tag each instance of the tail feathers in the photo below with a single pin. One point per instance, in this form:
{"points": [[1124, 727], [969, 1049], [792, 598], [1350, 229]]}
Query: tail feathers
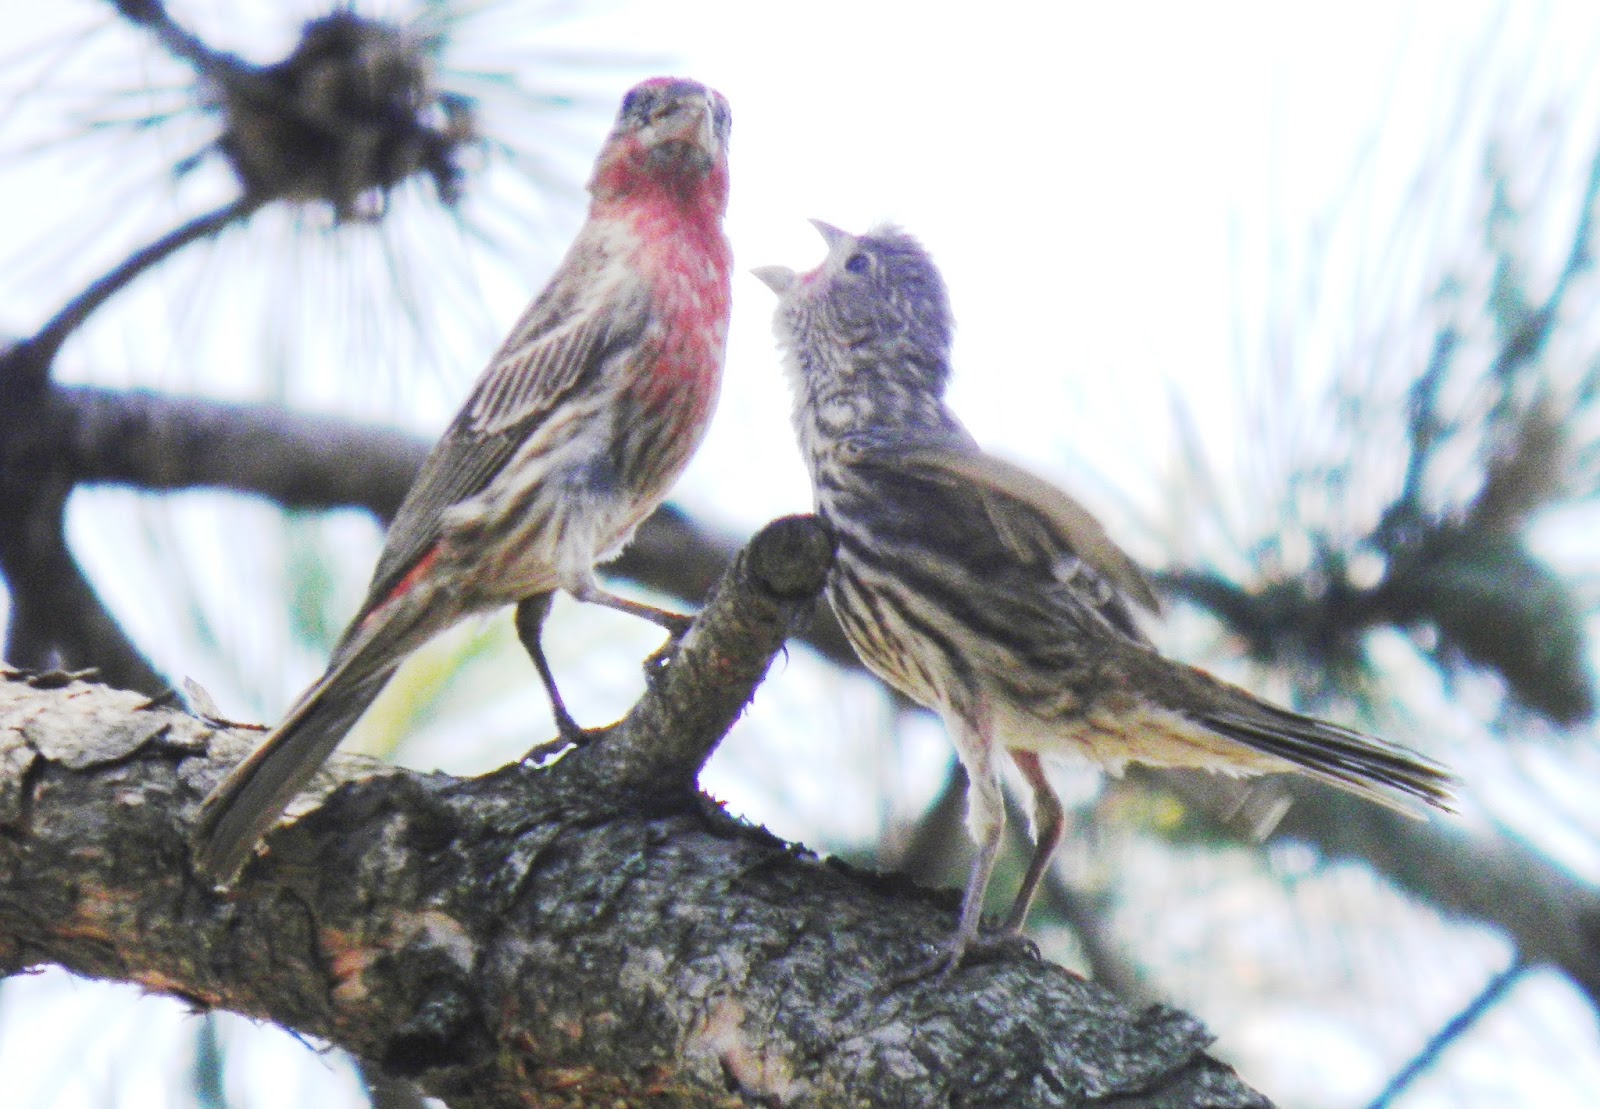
{"points": [[252, 798], [1360, 764]]}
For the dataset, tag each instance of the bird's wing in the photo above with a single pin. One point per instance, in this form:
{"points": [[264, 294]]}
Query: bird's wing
{"points": [[1017, 501], [558, 347]]}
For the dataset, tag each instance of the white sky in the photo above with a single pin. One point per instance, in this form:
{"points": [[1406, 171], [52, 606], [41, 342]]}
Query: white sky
{"points": [[1088, 176], [1079, 171]]}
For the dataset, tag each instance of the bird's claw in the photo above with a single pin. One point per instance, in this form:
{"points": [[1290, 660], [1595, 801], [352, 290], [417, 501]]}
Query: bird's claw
{"points": [[936, 970], [572, 737], [542, 752], [959, 950], [1006, 943], [677, 626], [655, 663]]}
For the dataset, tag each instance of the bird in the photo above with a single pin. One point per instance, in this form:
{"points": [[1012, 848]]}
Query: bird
{"points": [[991, 597], [571, 437]]}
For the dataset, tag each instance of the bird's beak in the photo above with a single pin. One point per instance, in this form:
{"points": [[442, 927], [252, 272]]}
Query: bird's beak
{"points": [[780, 279], [830, 234], [705, 130], [689, 134]]}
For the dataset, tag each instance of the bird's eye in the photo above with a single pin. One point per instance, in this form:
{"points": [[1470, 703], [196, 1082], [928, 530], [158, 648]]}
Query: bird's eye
{"points": [[858, 263], [638, 102]]}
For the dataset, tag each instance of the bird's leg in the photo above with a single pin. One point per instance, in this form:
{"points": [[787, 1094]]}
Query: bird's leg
{"points": [[531, 613], [986, 821], [676, 624], [1049, 822]]}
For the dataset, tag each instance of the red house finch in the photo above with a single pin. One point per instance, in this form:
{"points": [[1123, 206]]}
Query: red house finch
{"points": [[573, 435], [991, 597]]}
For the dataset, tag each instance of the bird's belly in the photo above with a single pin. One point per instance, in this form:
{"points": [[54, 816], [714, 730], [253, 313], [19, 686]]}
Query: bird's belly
{"points": [[882, 626], [522, 540]]}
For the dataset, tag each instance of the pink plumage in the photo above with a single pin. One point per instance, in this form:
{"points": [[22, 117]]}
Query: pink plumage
{"points": [[573, 435]]}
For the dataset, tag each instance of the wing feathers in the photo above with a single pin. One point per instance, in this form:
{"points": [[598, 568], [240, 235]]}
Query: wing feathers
{"points": [[532, 380], [1008, 487], [559, 349]]}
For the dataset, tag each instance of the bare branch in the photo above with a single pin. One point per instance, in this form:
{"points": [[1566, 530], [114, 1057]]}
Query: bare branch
{"points": [[26, 366], [1551, 916], [677, 556], [62, 437], [151, 441], [56, 617], [771, 588]]}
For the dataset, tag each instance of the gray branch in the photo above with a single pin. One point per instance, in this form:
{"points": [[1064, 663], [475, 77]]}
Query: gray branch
{"points": [[28, 365], [56, 617], [55, 439], [1551, 917], [152, 441]]}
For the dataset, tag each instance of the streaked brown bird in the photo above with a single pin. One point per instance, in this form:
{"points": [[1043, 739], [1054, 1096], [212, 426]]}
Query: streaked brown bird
{"points": [[572, 436], [991, 597]]}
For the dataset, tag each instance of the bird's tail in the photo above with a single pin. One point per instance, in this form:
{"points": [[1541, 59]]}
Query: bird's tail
{"points": [[1361, 764], [253, 796]]}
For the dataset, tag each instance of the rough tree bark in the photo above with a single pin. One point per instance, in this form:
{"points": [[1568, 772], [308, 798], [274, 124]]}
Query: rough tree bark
{"points": [[589, 932]]}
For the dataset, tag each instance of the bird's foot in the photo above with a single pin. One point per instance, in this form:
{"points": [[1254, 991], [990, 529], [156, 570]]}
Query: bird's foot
{"points": [[655, 664], [677, 624], [936, 970], [571, 737], [964, 950]]}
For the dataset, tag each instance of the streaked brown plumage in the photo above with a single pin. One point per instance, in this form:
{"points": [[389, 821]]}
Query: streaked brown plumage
{"points": [[572, 436], [990, 596]]}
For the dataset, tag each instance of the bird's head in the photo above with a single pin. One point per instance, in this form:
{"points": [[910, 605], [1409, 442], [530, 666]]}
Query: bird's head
{"points": [[670, 132], [876, 302]]}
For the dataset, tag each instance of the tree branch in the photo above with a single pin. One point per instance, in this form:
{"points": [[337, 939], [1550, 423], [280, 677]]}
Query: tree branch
{"points": [[146, 440], [56, 616], [767, 593], [151, 441], [65, 436], [1550, 916], [546, 936], [27, 365]]}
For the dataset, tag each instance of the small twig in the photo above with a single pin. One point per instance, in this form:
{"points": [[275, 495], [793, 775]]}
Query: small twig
{"points": [[771, 587], [179, 41], [30, 360], [1453, 1029]]}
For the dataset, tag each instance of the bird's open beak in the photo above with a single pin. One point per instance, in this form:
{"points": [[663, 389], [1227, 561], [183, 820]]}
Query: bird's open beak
{"points": [[780, 279], [830, 234]]}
